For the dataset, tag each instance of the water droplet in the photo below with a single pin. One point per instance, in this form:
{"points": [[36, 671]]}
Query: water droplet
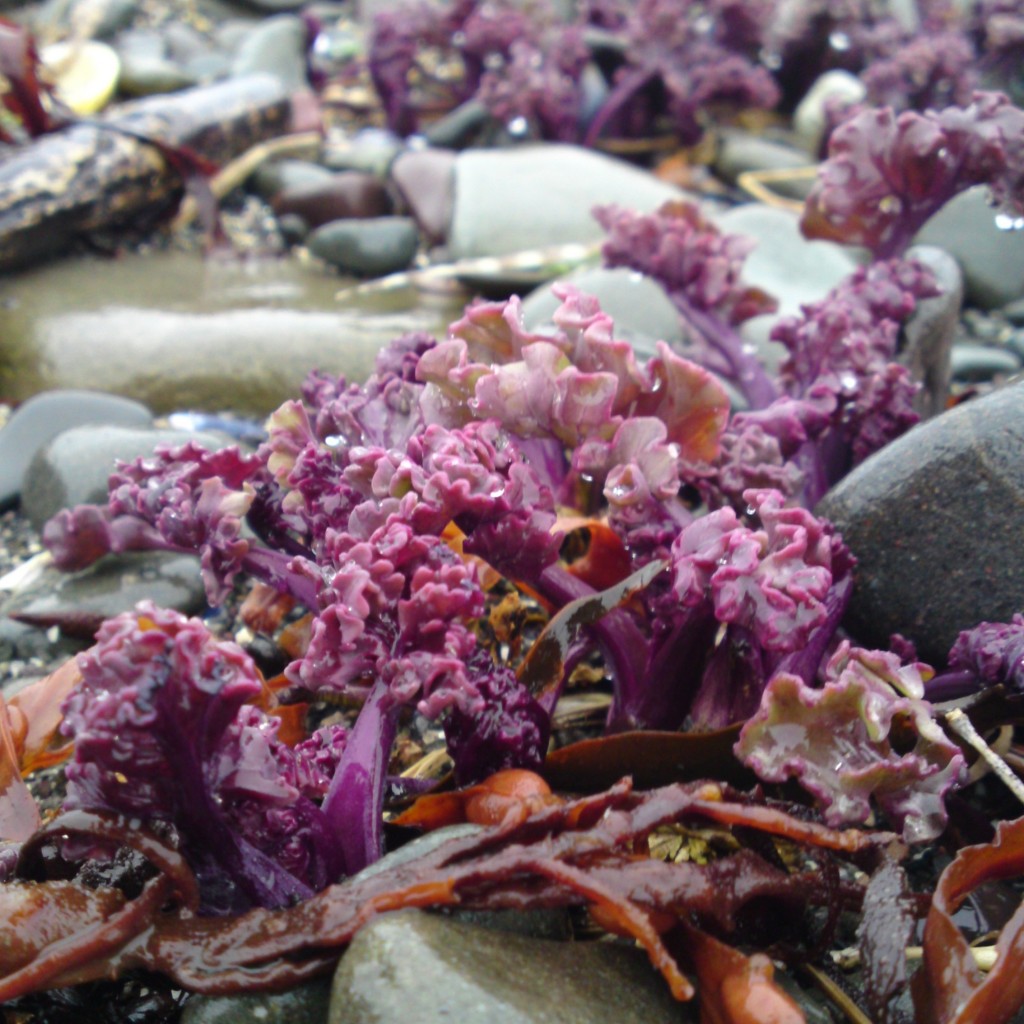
{"points": [[333, 440], [1008, 222], [839, 41], [518, 127]]}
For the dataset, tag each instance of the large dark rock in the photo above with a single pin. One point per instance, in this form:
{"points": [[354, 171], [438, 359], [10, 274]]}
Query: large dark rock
{"points": [[423, 968], [935, 520]]}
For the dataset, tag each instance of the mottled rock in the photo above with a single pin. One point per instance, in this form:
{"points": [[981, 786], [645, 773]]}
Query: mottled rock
{"points": [[37, 421], [74, 467], [306, 1004], [367, 248], [423, 968], [934, 520], [989, 247], [507, 200], [338, 196]]}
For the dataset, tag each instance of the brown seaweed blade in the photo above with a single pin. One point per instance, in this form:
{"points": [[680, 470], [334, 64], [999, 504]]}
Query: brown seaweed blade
{"points": [[582, 852], [949, 988]]}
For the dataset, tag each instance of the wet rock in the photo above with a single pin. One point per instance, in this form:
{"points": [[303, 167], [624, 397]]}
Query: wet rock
{"points": [[367, 248], [79, 601], [426, 180], [642, 312], [928, 335], [477, 976], [934, 521], [290, 175], [785, 264], [809, 117], [741, 151], [342, 195], [459, 127], [978, 364], [991, 257], [74, 467], [37, 421], [150, 76], [276, 46], [372, 150], [177, 332], [541, 195], [306, 1004]]}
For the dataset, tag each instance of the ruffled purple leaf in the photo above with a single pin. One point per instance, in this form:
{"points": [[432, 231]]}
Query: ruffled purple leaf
{"points": [[857, 741], [886, 174], [163, 730]]}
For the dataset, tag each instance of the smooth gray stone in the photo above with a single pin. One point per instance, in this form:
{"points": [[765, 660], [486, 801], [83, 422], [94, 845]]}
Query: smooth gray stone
{"points": [[977, 364], [992, 259], [38, 420], [74, 467], [149, 76], [540, 195], [371, 149], [741, 151], [271, 178], [306, 1004], [458, 127], [809, 116], [115, 584], [928, 334], [277, 47], [371, 247], [421, 968], [642, 312], [786, 265], [934, 520]]}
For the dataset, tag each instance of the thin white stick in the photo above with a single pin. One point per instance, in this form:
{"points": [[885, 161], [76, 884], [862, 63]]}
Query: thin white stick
{"points": [[961, 725]]}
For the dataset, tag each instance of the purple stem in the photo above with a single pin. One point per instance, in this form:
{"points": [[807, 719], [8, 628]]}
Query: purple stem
{"points": [[804, 661], [952, 685], [628, 85], [619, 636], [671, 679], [275, 569], [745, 370], [354, 804]]}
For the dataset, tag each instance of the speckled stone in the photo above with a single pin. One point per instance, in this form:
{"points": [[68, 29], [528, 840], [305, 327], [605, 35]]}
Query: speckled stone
{"points": [[306, 1004], [935, 520], [421, 968]]}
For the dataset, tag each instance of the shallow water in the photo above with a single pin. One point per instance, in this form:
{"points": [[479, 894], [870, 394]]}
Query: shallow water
{"points": [[175, 330]]}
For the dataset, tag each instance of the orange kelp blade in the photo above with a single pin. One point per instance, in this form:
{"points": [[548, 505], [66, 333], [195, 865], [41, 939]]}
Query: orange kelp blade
{"points": [[38, 707], [19, 815]]}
